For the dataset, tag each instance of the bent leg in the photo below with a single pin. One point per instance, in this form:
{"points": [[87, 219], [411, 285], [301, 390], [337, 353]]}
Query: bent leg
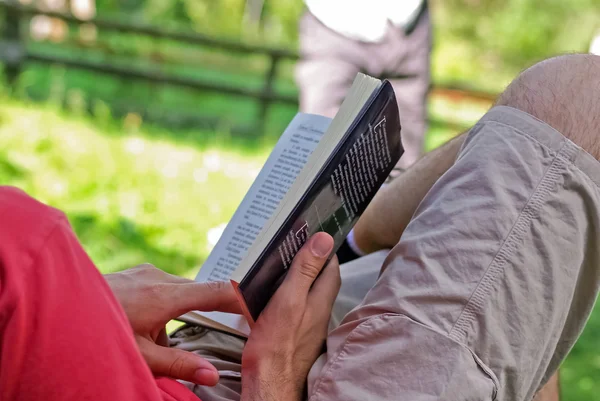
{"points": [[390, 211], [63, 335], [495, 275]]}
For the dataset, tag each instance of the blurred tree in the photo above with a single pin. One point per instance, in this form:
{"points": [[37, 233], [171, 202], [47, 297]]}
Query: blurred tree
{"points": [[272, 21], [508, 35], [474, 38]]}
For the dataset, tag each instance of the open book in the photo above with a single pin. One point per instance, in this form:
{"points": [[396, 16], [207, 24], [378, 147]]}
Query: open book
{"points": [[320, 176]]}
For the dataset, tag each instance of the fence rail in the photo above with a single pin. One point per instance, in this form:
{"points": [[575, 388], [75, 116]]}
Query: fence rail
{"points": [[15, 53]]}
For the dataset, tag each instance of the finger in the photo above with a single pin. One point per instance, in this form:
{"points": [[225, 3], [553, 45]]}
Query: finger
{"points": [[209, 296], [162, 338], [325, 289], [147, 271], [307, 264], [178, 364], [290, 298]]}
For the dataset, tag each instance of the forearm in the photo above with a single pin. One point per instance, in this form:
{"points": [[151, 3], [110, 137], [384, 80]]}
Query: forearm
{"points": [[386, 217]]}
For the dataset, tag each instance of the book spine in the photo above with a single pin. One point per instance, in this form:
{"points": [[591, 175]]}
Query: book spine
{"points": [[245, 311], [337, 197]]}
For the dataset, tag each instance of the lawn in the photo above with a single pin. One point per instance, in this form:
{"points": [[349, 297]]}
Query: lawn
{"points": [[131, 199], [139, 194]]}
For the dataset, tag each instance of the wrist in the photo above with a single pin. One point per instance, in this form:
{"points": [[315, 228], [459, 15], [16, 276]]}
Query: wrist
{"points": [[269, 388], [264, 381], [353, 244]]}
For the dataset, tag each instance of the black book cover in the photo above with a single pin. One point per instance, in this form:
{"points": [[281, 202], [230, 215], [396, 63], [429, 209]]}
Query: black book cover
{"points": [[337, 197]]}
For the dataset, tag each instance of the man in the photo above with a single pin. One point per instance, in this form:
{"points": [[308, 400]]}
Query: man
{"points": [[491, 283], [383, 38]]}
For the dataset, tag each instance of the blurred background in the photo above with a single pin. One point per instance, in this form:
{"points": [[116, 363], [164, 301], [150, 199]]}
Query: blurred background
{"points": [[147, 120]]}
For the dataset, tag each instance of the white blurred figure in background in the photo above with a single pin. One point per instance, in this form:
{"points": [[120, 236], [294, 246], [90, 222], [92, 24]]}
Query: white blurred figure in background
{"points": [[595, 45], [54, 29]]}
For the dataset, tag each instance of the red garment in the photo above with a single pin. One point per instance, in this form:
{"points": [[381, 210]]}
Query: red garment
{"points": [[63, 334]]}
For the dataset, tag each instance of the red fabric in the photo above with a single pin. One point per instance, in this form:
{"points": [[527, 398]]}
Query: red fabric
{"points": [[63, 335]]}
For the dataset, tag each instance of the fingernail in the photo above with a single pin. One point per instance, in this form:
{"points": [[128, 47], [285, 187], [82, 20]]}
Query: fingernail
{"points": [[321, 245], [207, 377]]}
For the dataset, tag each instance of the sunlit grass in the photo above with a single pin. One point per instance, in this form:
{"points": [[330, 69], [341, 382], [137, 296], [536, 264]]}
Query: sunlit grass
{"points": [[131, 199]]}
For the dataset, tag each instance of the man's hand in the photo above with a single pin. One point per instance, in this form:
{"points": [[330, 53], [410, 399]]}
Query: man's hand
{"points": [[150, 298], [289, 334]]}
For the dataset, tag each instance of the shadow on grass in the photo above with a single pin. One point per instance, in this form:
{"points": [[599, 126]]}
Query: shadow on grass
{"points": [[121, 243], [10, 171], [180, 115], [176, 114]]}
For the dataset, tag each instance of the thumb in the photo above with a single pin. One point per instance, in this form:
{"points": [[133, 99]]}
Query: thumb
{"points": [[178, 364], [308, 263]]}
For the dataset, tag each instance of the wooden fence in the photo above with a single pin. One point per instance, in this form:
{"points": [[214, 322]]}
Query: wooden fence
{"points": [[15, 53]]}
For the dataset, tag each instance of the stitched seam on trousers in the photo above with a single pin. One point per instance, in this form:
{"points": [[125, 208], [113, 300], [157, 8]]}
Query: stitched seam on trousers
{"points": [[459, 322], [338, 356], [553, 152], [487, 371], [387, 317], [575, 149], [576, 167], [477, 301]]}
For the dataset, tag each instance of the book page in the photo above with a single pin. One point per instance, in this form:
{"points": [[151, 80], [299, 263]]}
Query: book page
{"points": [[283, 165], [285, 162]]}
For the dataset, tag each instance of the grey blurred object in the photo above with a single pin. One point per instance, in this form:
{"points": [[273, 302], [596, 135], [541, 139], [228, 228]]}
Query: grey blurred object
{"points": [[386, 39]]}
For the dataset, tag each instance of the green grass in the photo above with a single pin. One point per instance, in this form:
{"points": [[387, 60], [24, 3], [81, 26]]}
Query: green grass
{"points": [[172, 106], [131, 199], [149, 194]]}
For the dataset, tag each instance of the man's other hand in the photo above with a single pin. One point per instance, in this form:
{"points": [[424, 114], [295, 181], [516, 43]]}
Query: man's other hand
{"points": [[289, 334], [150, 298]]}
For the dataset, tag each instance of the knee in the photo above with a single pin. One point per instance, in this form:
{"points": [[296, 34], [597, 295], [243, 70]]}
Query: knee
{"points": [[564, 92]]}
